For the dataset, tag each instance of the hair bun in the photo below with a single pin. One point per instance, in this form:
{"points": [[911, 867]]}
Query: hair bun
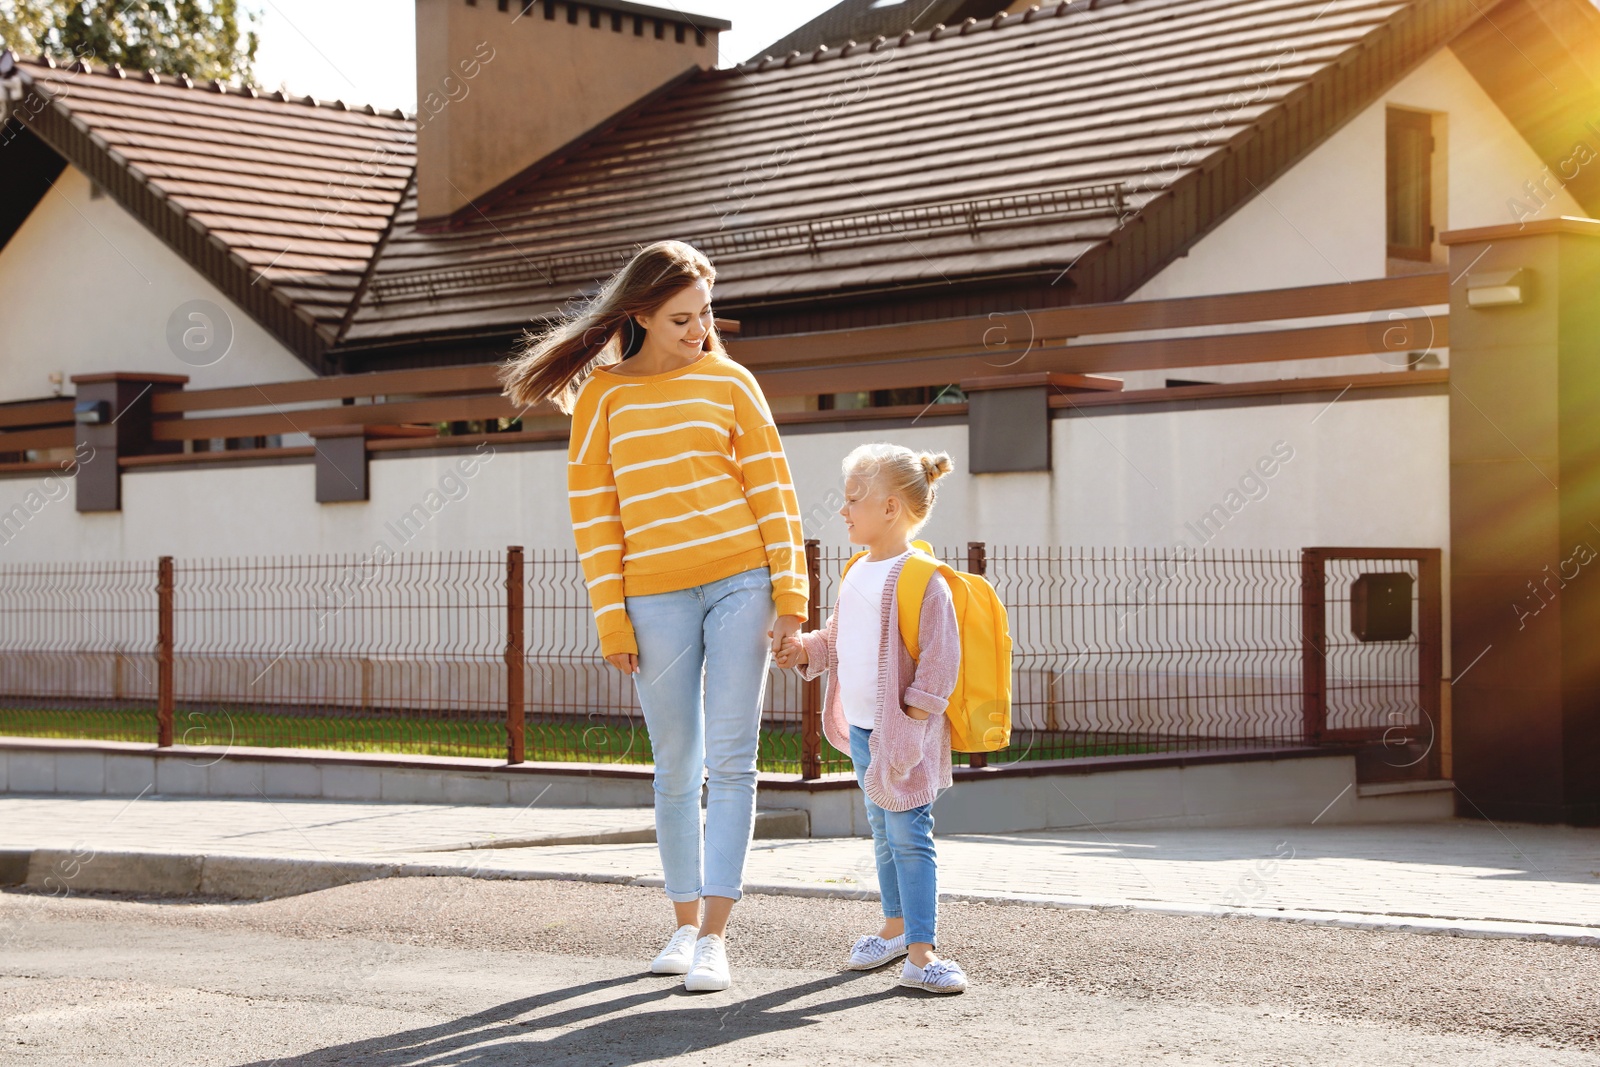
{"points": [[935, 465]]}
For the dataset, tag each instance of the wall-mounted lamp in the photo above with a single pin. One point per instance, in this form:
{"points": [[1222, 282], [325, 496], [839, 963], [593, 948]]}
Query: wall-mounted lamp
{"points": [[92, 411], [1498, 288]]}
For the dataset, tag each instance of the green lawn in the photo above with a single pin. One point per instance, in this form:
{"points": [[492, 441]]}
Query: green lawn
{"points": [[562, 742]]}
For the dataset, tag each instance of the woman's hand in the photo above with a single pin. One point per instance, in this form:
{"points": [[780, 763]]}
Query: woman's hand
{"points": [[913, 712], [626, 662], [786, 627]]}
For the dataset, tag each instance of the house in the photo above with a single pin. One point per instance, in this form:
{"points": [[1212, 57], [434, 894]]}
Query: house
{"points": [[1073, 154], [1113, 255], [1081, 152]]}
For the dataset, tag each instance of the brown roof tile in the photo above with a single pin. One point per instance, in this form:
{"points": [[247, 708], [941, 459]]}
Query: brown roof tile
{"points": [[301, 191], [789, 172], [862, 20]]}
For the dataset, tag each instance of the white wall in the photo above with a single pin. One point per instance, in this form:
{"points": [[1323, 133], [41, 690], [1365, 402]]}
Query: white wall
{"points": [[1364, 471], [84, 288], [1323, 221]]}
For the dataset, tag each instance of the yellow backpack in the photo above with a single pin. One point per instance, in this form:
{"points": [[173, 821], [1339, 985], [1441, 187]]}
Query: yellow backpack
{"points": [[980, 708]]}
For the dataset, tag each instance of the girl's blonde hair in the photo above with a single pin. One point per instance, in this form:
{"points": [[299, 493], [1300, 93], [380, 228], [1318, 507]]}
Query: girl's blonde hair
{"points": [[899, 472], [553, 362]]}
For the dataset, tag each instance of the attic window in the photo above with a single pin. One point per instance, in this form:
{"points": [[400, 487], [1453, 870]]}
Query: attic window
{"points": [[1409, 181]]}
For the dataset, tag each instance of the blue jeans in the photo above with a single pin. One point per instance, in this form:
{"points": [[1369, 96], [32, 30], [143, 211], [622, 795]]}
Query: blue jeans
{"points": [[720, 629], [902, 842]]}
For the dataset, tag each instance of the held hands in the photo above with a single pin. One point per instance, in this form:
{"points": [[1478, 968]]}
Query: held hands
{"points": [[787, 650], [792, 654]]}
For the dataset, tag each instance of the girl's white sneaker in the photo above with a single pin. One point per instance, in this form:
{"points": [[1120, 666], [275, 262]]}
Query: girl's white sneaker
{"points": [[709, 971], [939, 976], [679, 953], [871, 952]]}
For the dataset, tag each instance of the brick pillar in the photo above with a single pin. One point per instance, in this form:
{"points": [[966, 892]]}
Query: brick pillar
{"points": [[115, 418], [1525, 520]]}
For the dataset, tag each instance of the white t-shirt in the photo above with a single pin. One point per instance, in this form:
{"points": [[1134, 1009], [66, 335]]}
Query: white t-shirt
{"points": [[860, 629]]}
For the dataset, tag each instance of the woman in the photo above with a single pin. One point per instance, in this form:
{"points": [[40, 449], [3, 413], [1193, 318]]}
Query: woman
{"points": [[689, 533]]}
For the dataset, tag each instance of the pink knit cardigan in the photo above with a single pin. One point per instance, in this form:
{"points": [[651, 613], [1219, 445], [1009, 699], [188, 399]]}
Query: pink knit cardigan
{"points": [[910, 757]]}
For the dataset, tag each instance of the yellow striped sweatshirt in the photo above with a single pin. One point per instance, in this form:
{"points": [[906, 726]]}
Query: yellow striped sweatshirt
{"points": [[675, 480]]}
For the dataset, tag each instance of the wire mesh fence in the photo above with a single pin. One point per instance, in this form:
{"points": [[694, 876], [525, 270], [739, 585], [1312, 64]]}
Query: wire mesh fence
{"points": [[494, 654], [78, 650], [1130, 651]]}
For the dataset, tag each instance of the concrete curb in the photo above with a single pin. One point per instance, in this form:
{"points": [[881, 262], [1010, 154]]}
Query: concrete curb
{"points": [[771, 824], [63, 871]]}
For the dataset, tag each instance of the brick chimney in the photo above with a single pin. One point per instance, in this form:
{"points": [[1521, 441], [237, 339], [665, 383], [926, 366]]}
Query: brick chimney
{"points": [[503, 83]]}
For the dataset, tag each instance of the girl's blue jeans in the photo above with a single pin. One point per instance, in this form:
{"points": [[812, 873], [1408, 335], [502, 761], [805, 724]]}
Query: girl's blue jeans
{"points": [[703, 660], [902, 841]]}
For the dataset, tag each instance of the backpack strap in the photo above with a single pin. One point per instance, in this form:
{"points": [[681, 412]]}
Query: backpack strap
{"points": [[915, 574]]}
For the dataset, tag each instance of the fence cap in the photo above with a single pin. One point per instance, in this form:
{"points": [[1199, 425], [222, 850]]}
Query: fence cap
{"points": [[1090, 383], [1576, 224], [129, 376]]}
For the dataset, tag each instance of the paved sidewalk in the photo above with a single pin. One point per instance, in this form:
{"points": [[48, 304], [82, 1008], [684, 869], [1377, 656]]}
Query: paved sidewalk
{"points": [[1459, 877], [332, 829]]}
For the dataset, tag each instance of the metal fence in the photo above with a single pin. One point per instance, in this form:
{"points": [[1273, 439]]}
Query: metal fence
{"points": [[495, 655]]}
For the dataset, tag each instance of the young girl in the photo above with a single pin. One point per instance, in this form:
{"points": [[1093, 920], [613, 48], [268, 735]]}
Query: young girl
{"points": [[886, 710], [689, 534]]}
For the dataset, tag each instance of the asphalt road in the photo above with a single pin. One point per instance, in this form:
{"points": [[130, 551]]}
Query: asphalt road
{"points": [[460, 971]]}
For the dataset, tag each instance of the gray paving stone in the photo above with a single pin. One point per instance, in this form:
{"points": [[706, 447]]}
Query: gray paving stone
{"points": [[176, 776], [351, 783], [129, 775], [291, 779], [476, 789], [81, 772], [32, 773], [412, 786], [236, 778]]}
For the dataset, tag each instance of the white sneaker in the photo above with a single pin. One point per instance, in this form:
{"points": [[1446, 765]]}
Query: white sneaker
{"points": [[675, 958], [709, 971], [871, 952], [939, 976]]}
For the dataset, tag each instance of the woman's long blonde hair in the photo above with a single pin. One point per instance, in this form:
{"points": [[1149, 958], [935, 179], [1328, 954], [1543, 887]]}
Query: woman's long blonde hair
{"points": [[553, 362]]}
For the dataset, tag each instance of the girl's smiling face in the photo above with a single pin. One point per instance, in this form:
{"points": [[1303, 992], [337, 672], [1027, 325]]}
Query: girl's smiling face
{"points": [[869, 516], [679, 326]]}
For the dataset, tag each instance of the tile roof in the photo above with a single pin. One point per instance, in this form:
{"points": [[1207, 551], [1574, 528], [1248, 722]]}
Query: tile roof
{"points": [[862, 20], [790, 171], [295, 192]]}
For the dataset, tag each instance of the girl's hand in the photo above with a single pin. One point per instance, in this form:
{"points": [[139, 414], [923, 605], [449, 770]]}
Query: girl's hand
{"points": [[626, 662], [914, 713], [792, 654]]}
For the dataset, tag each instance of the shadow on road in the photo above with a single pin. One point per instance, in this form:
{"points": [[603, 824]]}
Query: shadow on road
{"points": [[624, 1029]]}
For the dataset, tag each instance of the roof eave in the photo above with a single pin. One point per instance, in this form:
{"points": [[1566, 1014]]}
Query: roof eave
{"points": [[1196, 203], [221, 266]]}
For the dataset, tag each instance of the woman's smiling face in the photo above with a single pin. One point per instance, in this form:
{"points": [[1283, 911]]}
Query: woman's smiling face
{"points": [[680, 325]]}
